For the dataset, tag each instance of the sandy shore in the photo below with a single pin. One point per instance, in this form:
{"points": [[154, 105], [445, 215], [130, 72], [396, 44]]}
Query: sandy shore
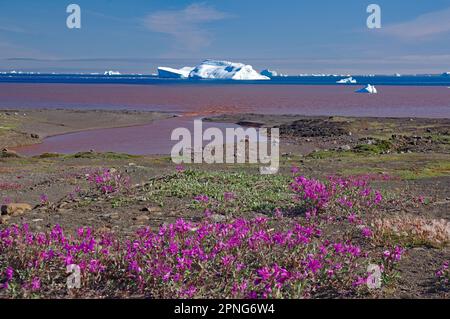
{"points": [[25, 127]]}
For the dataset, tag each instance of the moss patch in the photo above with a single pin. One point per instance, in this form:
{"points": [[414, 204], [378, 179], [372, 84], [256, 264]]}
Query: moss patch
{"points": [[107, 155], [378, 147], [256, 193]]}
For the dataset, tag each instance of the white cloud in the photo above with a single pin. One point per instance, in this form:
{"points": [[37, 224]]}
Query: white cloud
{"points": [[186, 26], [13, 29], [423, 27]]}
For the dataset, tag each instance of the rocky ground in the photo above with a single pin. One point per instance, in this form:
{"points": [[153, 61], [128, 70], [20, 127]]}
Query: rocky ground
{"points": [[415, 153]]}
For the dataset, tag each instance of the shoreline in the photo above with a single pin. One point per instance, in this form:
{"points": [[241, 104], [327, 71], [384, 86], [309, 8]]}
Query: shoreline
{"points": [[25, 127], [301, 134]]}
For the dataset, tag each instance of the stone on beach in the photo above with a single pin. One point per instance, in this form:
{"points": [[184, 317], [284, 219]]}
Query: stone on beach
{"points": [[15, 208]]}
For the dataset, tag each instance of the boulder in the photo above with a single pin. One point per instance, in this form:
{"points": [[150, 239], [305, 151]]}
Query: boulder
{"points": [[141, 218], [217, 218], [153, 209], [15, 208]]}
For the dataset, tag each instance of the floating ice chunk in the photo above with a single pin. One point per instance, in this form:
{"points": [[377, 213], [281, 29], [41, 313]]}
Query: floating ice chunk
{"points": [[111, 73], [370, 89], [348, 80]]}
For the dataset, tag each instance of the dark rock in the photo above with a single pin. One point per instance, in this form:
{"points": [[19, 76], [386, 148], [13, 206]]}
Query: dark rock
{"points": [[313, 128], [249, 124]]}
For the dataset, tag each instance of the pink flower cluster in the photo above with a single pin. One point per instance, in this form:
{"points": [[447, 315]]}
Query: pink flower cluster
{"points": [[350, 195], [109, 181], [44, 199], [201, 198], [443, 273], [276, 257], [393, 254], [257, 258]]}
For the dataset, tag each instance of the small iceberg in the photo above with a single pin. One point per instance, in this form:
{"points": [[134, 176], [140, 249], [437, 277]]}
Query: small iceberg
{"points": [[111, 73], [349, 80], [370, 89]]}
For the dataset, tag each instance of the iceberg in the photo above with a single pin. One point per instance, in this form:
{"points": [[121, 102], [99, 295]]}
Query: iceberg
{"points": [[225, 70], [348, 80], [111, 73], [271, 73], [446, 74], [213, 69], [171, 73], [370, 89]]}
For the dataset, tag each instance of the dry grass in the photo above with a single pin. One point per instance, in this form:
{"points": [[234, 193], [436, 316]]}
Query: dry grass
{"points": [[412, 230]]}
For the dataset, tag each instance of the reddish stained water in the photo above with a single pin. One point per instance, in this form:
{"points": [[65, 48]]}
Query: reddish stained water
{"points": [[198, 100]]}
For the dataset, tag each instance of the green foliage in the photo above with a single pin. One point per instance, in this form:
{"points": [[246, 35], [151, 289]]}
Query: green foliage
{"points": [[378, 147], [258, 193], [107, 155]]}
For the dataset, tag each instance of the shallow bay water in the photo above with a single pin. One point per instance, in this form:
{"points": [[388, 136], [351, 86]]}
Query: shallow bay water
{"points": [[198, 100]]}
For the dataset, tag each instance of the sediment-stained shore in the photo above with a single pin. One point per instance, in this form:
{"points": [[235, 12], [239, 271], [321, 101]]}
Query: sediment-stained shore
{"points": [[31, 126]]}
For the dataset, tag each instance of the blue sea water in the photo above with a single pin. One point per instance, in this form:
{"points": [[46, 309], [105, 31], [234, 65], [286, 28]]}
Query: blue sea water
{"points": [[404, 80]]}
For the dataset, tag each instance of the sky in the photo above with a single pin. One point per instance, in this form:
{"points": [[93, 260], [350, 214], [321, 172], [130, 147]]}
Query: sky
{"points": [[289, 36]]}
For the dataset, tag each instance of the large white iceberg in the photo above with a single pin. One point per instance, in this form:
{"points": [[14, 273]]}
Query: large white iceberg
{"points": [[370, 89], [212, 69], [225, 70], [183, 73], [348, 80]]}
